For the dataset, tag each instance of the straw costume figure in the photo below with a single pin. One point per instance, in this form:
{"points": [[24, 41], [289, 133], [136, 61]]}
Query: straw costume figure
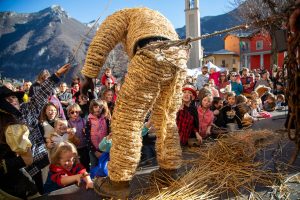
{"points": [[154, 80]]}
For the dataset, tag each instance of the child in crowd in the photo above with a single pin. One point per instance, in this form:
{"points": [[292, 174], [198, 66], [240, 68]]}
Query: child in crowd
{"points": [[225, 97], [116, 89], [105, 145], [212, 88], [255, 113], [98, 126], [279, 89], [229, 113], [107, 74], [75, 121], [149, 138], [241, 99], [61, 133], [280, 101], [108, 96], [269, 104], [206, 116], [254, 110], [217, 104], [254, 96], [65, 168], [187, 117]]}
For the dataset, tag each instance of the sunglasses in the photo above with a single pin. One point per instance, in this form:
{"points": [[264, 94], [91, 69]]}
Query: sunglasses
{"points": [[72, 112]]}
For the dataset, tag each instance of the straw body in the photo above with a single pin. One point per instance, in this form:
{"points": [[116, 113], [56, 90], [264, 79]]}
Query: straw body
{"points": [[127, 26], [153, 81], [150, 84]]}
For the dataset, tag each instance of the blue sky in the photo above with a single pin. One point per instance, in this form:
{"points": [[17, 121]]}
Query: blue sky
{"points": [[88, 10]]}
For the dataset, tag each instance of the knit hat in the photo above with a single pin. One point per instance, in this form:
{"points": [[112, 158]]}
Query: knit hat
{"points": [[190, 88]]}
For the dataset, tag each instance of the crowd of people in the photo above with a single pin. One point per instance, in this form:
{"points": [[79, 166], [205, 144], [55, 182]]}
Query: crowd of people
{"points": [[69, 133], [72, 136], [216, 102]]}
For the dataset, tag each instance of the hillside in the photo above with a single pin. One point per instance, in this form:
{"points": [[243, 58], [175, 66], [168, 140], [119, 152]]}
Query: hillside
{"points": [[48, 38], [32, 42]]}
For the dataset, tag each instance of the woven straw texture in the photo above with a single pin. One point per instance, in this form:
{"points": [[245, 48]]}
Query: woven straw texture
{"points": [[128, 26], [150, 84]]}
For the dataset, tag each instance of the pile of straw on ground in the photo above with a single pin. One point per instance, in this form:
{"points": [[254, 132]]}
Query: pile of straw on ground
{"points": [[224, 168]]}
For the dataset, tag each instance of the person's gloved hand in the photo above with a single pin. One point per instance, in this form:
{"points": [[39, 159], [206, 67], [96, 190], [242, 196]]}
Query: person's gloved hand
{"points": [[62, 70], [86, 85]]}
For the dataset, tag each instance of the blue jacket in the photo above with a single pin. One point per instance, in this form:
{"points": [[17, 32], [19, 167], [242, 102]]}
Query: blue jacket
{"points": [[237, 88]]}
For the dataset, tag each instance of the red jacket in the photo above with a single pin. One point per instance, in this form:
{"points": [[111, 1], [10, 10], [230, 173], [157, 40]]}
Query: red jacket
{"points": [[245, 81], [104, 77]]}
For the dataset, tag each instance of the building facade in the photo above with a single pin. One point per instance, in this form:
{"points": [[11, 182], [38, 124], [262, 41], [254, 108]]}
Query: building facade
{"points": [[223, 58], [254, 49]]}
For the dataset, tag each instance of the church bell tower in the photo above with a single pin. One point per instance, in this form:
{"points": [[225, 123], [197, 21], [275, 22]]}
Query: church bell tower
{"points": [[192, 22]]}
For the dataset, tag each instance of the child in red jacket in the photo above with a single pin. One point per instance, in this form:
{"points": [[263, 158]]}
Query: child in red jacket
{"points": [[107, 74], [65, 168]]}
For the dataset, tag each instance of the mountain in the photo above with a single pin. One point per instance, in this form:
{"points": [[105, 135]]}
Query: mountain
{"points": [[48, 39], [211, 24], [45, 39]]}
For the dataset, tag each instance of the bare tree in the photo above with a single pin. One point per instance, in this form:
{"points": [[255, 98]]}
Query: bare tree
{"points": [[117, 60], [256, 10]]}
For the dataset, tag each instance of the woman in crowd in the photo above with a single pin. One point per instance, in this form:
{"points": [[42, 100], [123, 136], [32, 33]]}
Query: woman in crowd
{"points": [[47, 118], [223, 84], [13, 155], [265, 80]]}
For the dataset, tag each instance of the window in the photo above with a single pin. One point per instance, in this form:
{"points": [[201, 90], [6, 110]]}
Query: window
{"points": [[192, 4], [223, 63], [259, 45], [247, 46], [233, 61]]}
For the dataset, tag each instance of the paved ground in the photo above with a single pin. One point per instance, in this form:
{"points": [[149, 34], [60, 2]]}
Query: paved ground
{"points": [[276, 159]]}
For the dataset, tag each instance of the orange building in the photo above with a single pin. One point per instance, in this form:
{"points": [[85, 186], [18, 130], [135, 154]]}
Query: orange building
{"points": [[254, 49]]}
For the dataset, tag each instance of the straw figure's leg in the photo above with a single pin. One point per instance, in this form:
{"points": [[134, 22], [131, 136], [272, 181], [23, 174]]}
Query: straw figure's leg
{"points": [[164, 115], [164, 119], [138, 93]]}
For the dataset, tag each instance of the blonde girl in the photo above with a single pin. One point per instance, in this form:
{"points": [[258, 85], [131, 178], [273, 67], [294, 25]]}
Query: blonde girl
{"points": [[65, 168]]}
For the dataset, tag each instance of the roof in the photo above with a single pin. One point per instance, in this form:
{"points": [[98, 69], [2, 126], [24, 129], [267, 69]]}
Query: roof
{"points": [[223, 52], [243, 33]]}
